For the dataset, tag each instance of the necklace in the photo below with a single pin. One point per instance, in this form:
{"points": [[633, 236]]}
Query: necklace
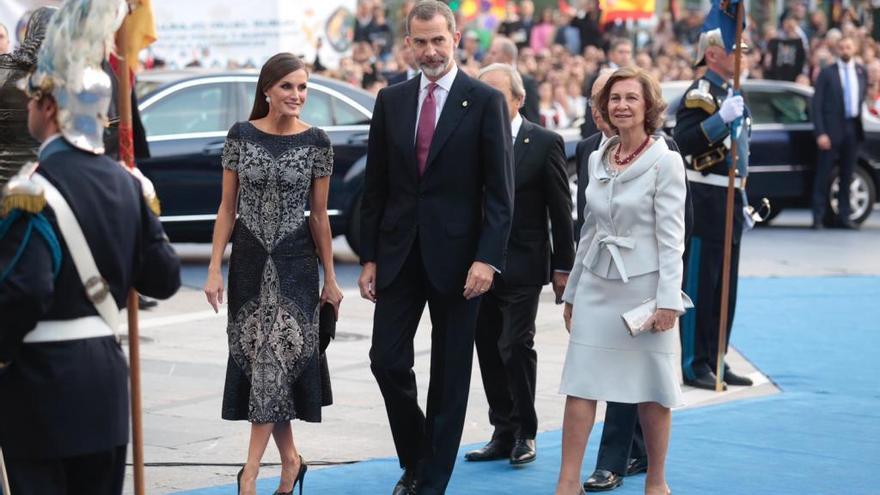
{"points": [[631, 156]]}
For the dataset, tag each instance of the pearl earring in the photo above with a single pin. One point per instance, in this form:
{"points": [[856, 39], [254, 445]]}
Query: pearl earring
{"points": [[267, 99]]}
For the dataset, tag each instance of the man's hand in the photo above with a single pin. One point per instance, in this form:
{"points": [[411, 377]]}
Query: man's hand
{"points": [[479, 280], [732, 107], [560, 280], [367, 281], [566, 316], [823, 142]]}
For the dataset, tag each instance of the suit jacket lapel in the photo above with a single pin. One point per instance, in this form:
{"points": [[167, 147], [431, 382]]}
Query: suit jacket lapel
{"points": [[521, 144], [411, 100], [456, 106]]}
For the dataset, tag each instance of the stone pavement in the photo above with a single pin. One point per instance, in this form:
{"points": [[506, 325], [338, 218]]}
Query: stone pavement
{"points": [[184, 357]]}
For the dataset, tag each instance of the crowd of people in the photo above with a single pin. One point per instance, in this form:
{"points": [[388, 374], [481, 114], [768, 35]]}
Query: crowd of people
{"points": [[563, 49]]}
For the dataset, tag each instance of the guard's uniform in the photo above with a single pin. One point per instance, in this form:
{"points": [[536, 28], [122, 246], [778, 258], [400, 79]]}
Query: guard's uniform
{"points": [[704, 140], [64, 420]]}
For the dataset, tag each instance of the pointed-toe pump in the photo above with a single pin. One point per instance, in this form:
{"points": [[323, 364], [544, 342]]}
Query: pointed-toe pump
{"points": [[300, 478]]}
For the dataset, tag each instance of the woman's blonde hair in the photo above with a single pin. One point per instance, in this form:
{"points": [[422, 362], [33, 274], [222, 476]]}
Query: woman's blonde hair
{"points": [[655, 107]]}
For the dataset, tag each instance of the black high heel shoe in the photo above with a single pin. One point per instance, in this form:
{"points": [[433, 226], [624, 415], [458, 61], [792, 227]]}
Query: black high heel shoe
{"points": [[300, 478]]}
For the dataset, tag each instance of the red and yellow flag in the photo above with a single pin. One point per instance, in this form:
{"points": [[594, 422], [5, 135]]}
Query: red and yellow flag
{"points": [[140, 29], [613, 10]]}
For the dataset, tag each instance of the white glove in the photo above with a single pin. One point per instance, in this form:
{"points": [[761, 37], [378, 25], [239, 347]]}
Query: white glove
{"points": [[732, 107]]}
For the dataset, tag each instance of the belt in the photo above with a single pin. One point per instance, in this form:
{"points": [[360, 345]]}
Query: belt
{"points": [[714, 179], [87, 327], [613, 244]]}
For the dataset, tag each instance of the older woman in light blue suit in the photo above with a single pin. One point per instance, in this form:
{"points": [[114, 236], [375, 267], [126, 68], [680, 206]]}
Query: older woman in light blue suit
{"points": [[630, 251]]}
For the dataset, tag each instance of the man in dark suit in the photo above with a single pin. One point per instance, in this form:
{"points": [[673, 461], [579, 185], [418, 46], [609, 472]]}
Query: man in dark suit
{"points": [[837, 121], [622, 449], [506, 325], [504, 51], [437, 207]]}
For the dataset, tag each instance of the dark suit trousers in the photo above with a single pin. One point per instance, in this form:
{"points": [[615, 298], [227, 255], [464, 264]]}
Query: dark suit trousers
{"points": [[101, 473], [622, 438], [847, 152], [505, 344], [702, 280], [428, 442]]}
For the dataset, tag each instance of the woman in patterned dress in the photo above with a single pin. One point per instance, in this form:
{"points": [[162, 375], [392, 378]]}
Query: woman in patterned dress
{"points": [[275, 167]]}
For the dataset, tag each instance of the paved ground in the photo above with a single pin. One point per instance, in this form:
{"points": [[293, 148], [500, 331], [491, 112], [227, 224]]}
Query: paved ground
{"points": [[184, 356]]}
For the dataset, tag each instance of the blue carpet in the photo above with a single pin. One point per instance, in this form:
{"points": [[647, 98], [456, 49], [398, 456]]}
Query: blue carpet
{"points": [[818, 340]]}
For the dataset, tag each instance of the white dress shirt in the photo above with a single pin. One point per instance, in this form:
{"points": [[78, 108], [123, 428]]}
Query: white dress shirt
{"points": [[515, 124], [847, 70], [441, 92]]}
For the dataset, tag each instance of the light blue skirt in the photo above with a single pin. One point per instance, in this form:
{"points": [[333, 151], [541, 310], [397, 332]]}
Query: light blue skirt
{"points": [[603, 361]]}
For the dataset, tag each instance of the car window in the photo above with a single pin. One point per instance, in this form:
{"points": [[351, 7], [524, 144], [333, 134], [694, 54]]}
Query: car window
{"points": [[778, 107], [317, 110], [201, 108], [348, 115]]}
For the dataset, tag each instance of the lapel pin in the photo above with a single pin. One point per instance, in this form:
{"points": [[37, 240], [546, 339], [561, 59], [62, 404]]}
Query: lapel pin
{"points": [[526, 140], [464, 103]]}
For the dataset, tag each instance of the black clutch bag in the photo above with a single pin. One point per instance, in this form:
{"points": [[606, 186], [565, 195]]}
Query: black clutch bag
{"points": [[326, 325]]}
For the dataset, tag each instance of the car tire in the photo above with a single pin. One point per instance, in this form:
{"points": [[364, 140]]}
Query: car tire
{"points": [[863, 195], [353, 227]]}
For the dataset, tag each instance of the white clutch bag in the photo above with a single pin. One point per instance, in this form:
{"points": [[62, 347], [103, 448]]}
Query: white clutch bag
{"points": [[635, 318]]}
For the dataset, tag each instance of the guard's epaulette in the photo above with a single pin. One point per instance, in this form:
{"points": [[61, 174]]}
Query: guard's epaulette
{"points": [[701, 98], [22, 193]]}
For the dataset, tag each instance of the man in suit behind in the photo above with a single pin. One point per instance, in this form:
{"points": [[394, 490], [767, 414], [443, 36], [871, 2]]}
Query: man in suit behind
{"points": [[837, 121], [436, 215], [506, 324], [504, 51]]}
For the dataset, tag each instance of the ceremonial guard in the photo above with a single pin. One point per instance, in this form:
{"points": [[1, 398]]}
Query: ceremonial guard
{"points": [[76, 234], [705, 117]]}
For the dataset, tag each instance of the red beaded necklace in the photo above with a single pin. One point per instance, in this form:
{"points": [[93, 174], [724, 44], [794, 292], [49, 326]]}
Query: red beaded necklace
{"points": [[634, 154]]}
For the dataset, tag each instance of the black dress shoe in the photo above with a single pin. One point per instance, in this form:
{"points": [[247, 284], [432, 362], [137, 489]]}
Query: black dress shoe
{"points": [[636, 465], [817, 225], [407, 484], [848, 225], [144, 303], [523, 451], [602, 481], [732, 378], [492, 451], [704, 381]]}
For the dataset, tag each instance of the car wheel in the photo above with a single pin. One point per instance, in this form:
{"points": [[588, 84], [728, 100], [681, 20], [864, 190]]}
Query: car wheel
{"points": [[862, 195], [353, 227]]}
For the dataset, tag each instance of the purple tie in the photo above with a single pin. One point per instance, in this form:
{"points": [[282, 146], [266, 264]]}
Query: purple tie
{"points": [[425, 130]]}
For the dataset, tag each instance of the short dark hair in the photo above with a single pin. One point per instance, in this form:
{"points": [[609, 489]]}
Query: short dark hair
{"points": [[425, 10], [274, 70], [655, 107]]}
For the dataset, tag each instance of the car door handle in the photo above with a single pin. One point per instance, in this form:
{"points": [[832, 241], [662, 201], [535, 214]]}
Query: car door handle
{"points": [[360, 138], [214, 148]]}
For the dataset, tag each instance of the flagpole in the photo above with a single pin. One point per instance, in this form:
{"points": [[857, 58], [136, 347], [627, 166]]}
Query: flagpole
{"points": [[126, 155], [728, 220]]}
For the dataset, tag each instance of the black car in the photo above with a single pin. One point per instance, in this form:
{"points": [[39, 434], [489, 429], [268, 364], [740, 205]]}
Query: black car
{"points": [[186, 115], [783, 148]]}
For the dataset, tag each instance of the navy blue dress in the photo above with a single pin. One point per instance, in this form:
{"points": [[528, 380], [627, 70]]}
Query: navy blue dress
{"points": [[275, 371]]}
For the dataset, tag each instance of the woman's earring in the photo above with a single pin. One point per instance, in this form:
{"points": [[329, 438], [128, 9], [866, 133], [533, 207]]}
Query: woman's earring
{"points": [[267, 99]]}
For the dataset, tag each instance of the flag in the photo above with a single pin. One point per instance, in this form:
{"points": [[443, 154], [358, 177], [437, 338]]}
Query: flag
{"points": [[722, 16], [623, 10], [140, 28]]}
